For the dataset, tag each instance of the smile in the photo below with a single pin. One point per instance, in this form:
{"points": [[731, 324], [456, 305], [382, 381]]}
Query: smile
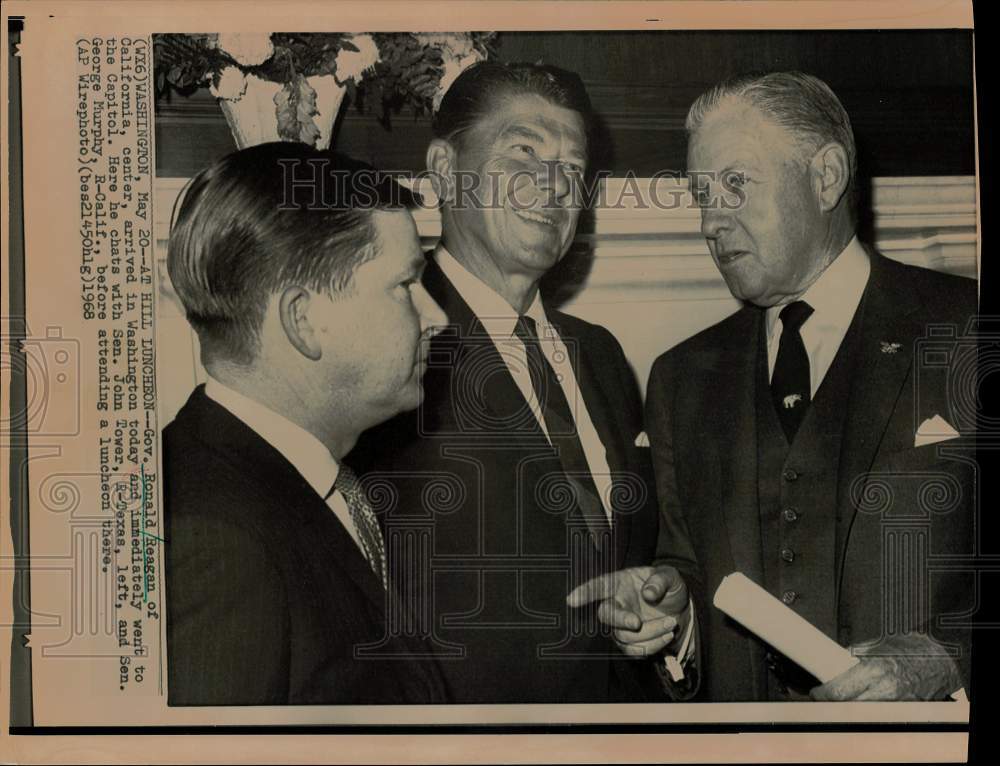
{"points": [[530, 215]]}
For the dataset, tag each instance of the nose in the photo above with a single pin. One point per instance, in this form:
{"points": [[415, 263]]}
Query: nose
{"points": [[432, 317], [556, 181], [714, 221]]}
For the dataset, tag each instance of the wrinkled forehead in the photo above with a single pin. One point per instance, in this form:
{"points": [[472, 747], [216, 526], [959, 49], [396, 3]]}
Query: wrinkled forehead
{"points": [[528, 115], [737, 132]]}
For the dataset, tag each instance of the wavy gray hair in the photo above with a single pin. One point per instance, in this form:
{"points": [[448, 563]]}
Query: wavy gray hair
{"points": [[800, 103]]}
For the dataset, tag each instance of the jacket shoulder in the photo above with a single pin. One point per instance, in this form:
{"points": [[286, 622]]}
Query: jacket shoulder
{"points": [[722, 334], [943, 296], [575, 327]]}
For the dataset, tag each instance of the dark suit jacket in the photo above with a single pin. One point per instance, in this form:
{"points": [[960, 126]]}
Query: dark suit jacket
{"points": [[267, 594], [474, 463], [701, 420]]}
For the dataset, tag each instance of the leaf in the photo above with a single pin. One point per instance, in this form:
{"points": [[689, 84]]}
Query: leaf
{"points": [[295, 106], [308, 131], [286, 111]]}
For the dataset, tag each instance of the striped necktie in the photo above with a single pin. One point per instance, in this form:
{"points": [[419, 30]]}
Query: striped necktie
{"points": [[363, 517]]}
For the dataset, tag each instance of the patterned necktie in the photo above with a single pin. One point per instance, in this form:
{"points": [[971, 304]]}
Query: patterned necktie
{"points": [[562, 431], [790, 382], [363, 516]]}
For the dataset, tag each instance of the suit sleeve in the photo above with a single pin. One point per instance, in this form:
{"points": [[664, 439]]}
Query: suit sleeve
{"points": [[227, 631], [673, 543]]}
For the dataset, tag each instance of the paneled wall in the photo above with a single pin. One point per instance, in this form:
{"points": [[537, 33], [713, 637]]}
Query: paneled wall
{"points": [[640, 269]]}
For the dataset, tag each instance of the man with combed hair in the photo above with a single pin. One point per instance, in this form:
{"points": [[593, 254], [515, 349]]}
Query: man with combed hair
{"points": [[523, 458], [789, 439], [300, 272]]}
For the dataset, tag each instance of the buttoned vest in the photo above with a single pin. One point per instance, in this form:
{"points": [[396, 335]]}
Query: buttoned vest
{"points": [[797, 492]]}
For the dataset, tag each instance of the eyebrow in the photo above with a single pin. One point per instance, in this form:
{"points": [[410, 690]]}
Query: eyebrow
{"points": [[519, 131]]}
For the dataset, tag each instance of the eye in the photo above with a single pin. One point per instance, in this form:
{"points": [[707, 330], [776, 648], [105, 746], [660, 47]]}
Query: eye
{"points": [[573, 168], [526, 149], [407, 284], [737, 179], [701, 194]]}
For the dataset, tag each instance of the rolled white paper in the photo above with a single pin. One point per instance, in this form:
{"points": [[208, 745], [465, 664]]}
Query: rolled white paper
{"points": [[795, 637]]}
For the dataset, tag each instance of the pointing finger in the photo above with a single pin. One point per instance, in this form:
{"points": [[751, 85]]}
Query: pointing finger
{"points": [[596, 589]]}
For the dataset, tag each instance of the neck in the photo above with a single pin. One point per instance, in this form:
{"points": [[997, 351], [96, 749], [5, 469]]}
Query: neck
{"points": [[283, 393], [835, 240], [517, 289]]}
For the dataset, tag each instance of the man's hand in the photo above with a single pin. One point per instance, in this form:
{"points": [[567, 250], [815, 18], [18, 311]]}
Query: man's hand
{"points": [[647, 607], [911, 667]]}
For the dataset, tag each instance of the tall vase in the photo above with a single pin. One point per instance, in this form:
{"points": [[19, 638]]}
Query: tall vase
{"points": [[252, 117]]}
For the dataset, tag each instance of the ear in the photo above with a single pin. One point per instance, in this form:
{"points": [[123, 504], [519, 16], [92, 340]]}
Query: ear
{"points": [[831, 175], [441, 156], [293, 311]]}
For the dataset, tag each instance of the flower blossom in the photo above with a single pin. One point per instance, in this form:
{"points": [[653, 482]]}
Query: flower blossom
{"points": [[232, 84], [247, 49]]}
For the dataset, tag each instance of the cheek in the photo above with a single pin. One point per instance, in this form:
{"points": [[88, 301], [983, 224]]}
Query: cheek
{"points": [[402, 332]]}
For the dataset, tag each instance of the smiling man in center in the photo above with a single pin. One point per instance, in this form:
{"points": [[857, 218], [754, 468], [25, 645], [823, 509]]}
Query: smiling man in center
{"points": [[522, 461]]}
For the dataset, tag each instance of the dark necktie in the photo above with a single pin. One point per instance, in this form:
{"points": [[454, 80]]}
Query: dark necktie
{"points": [[365, 522], [562, 431], [790, 384]]}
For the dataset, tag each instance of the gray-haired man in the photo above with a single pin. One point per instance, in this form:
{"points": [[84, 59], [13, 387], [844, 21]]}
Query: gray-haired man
{"points": [[775, 432]]}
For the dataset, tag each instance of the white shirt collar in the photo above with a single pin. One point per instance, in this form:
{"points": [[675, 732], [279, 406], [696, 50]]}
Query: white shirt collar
{"points": [[835, 295], [305, 452], [490, 308]]}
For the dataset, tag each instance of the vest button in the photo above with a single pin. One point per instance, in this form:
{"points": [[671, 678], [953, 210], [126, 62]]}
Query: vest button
{"points": [[790, 474], [790, 515], [789, 596], [788, 555]]}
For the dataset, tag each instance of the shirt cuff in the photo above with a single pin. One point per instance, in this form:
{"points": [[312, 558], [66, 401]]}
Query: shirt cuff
{"points": [[675, 663]]}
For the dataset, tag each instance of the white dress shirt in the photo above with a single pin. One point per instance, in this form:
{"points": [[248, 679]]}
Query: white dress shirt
{"points": [[499, 321], [307, 454], [834, 298]]}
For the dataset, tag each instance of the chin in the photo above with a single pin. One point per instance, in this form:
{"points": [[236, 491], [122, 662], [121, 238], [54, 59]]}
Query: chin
{"points": [[541, 257]]}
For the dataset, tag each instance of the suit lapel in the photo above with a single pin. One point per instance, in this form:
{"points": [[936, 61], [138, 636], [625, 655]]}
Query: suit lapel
{"points": [[732, 387], [267, 468], [478, 372], [883, 363], [602, 416]]}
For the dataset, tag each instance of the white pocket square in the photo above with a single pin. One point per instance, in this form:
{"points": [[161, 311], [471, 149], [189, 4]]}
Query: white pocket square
{"points": [[934, 430], [642, 440]]}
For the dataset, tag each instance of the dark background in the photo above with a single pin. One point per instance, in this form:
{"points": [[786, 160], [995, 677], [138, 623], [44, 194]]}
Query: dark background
{"points": [[909, 94]]}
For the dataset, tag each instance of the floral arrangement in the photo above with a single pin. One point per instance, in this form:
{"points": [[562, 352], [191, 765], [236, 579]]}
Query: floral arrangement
{"points": [[388, 69]]}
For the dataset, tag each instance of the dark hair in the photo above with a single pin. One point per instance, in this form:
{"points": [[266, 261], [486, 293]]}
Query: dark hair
{"points": [[480, 88], [800, 103], [264, 218]]}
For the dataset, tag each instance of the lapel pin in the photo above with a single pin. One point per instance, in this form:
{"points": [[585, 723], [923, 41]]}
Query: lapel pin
{"points": [[890, 348]]}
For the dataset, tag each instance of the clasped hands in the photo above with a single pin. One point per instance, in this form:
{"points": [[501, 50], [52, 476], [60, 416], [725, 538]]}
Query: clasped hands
{"points": [[647, 607]]}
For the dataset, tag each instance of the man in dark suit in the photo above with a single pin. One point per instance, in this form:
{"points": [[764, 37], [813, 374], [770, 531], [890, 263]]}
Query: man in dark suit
{"points": [[521, 465], [300, 272], [793, 440]]}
